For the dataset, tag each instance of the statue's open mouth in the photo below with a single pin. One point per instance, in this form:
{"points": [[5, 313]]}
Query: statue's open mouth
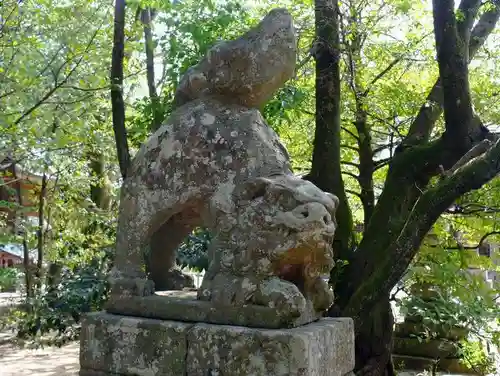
{"points": [[293, 273], [306, 263]]}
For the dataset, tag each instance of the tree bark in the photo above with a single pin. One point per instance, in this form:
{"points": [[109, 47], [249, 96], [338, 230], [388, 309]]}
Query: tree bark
{"points": [[99, 189], [117, 102], [326, 171], [373, 341], [150, 69], [453, 71], [353, 40]]}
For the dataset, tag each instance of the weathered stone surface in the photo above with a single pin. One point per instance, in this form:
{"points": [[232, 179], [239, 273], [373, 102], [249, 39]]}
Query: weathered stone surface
{"points": [[115, 345], [204, 150], [272, 247], [214, 140], [433, 348], [324, 348], [183, 306], [132, 346], [216, 163], [434, 331], [447, 365], [247, 70]]}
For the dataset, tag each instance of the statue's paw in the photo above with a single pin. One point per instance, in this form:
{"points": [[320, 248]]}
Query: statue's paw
{"points": [[321, 295], [174, 279], [226, 289], [282, 295], [132, 287]]}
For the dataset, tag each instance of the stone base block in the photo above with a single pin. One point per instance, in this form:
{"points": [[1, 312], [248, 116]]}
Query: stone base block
{"points": [[184, 306], [433, 348], [126, 346], [452, 365]]}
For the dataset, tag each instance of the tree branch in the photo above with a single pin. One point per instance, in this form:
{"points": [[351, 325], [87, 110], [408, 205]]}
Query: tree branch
{"points": [[471, 208], [354, 176], [382, 74], [467, 14], [483, 28], [431, 109], [481, 241], [381, 163], [353, 148], [476, 151], [347, 163], [453, 70], [58, 85], [354, 193], [150, 72], [471, 176], [350, 133], [387, 69]]}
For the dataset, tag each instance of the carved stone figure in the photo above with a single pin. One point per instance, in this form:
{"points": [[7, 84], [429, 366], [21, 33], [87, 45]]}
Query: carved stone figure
{"points": [[272, 247], [216, 163], [215, 139]]}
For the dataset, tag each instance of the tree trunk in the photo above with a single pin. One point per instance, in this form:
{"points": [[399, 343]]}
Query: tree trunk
{"points": [[40, 232], [150, 69], [325, 171], [99, 190], [117, 102], [373, 342]]}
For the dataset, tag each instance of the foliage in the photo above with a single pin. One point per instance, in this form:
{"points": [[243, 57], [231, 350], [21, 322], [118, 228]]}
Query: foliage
{"points": [[9, 278], [464, 298], [55, 116], [193, 250], [446, 295], [473, 355], [53, 316]]}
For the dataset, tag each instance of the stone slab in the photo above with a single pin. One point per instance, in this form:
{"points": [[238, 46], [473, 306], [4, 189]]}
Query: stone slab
{"points": [[184, 306], [133, 346], [408, 328], [120, 345], [433, 348], [324, 348], [452, 365]]}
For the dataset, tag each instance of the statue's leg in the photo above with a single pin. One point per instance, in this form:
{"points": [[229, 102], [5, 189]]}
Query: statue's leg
{"points": [[282, 295], [320, 293], [128, 275], [161, 262]]}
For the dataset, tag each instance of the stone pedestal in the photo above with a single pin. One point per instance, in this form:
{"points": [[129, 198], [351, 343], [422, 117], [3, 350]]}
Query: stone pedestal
{"points": [[135, 346]]}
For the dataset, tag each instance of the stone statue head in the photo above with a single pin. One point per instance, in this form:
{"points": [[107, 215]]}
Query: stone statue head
{"points": [[277, 227]]}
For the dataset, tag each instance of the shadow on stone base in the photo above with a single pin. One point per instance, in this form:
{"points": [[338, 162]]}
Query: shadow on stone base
{"points": [[125, 346]]}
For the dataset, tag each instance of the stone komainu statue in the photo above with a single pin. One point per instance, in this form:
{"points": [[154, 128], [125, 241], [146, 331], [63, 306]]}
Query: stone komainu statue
{"points": [[216, 163]]}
